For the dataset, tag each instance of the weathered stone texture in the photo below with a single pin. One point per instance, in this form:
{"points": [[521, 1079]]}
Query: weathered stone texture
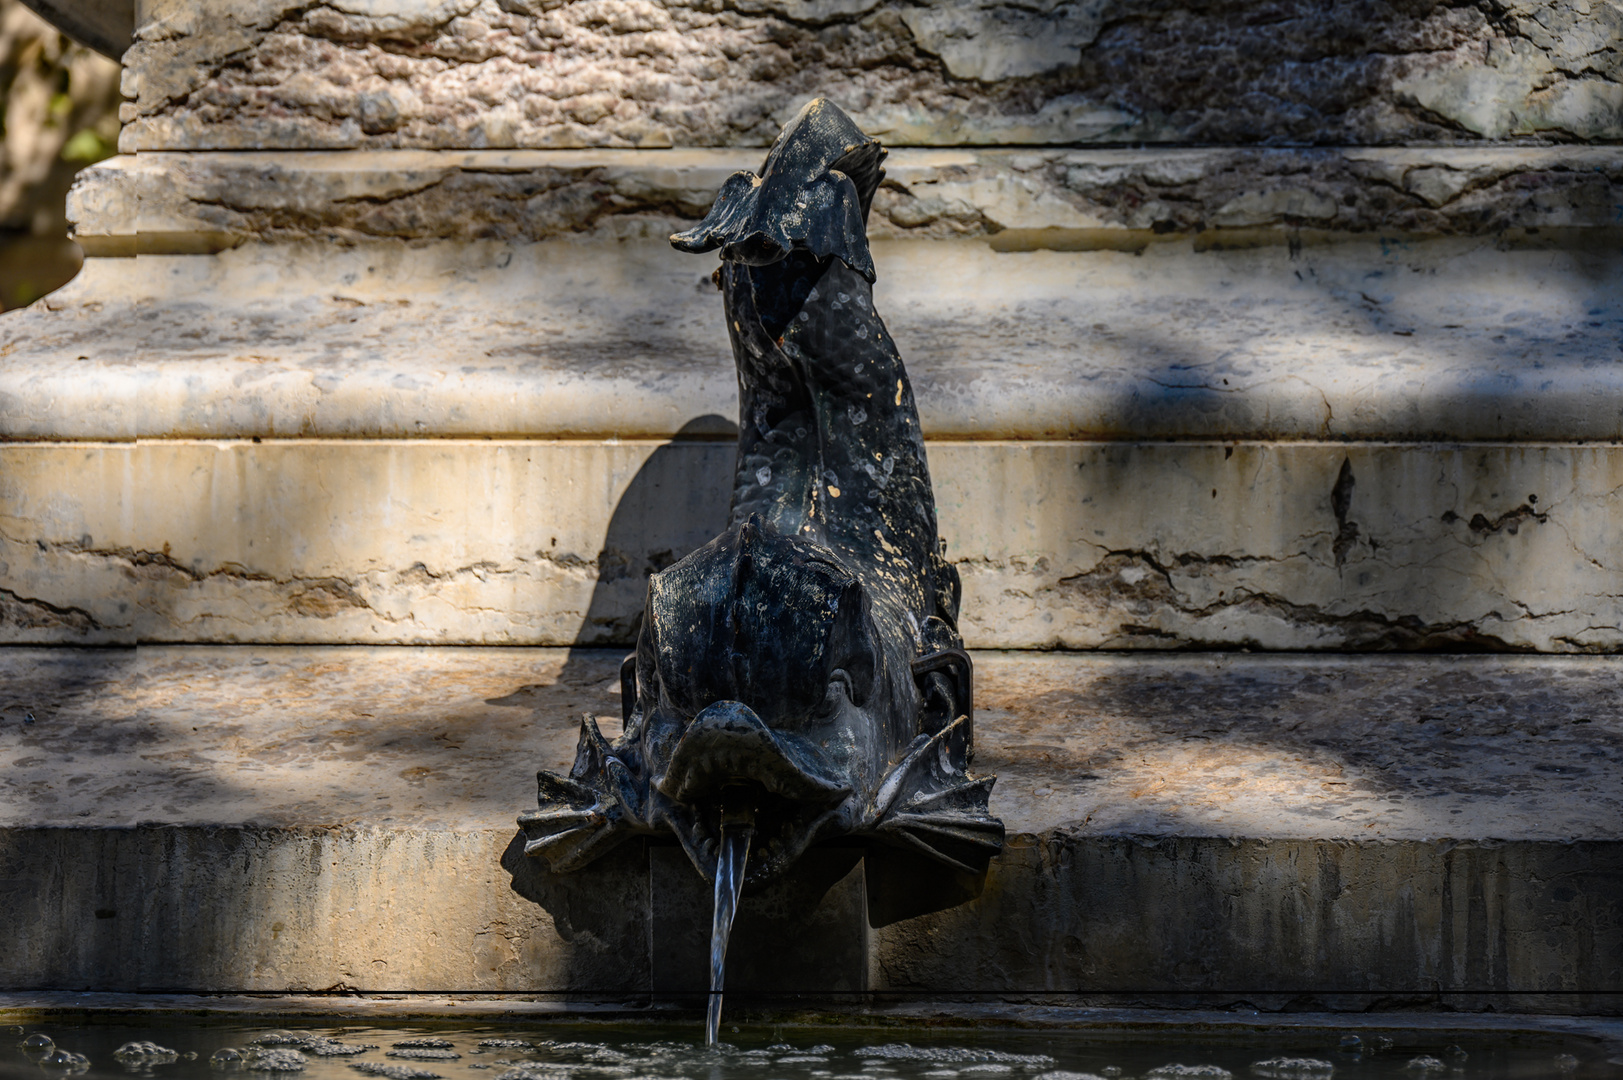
{"points": [[1474, 924], [1335, 828], [534, 73], [1457, 339], [1069, 545], [160, 201]]}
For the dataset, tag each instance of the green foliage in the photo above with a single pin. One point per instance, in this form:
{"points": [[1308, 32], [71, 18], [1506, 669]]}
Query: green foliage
{"points": [[87, 146]]}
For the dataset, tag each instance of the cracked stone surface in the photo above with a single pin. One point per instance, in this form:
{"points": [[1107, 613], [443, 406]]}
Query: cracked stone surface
{"points": [[1451, 339], [298, 818], [1057, 198], [1135, 545], [646, 73]]}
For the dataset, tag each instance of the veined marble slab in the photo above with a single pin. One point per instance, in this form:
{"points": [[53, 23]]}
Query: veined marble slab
{"points": [[1272, 545]]}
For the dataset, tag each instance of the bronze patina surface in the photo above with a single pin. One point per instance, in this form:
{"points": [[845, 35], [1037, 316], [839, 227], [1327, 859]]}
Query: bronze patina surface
{"points": [[803, 669]]}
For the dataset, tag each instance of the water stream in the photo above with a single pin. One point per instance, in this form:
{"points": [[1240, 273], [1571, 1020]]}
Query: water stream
{"points": [[736, 829]]}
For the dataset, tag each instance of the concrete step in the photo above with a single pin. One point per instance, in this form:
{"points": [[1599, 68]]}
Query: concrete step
{"points": [[1323, 831]]}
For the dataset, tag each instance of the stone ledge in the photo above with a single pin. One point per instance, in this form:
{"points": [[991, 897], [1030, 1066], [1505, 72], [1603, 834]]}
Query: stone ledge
{"points": [[1120, 545], [185, 202], [1335, 748], [286, 819], [1451, 339]]}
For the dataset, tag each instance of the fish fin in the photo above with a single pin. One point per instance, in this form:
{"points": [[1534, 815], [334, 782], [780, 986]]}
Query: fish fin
{"points": [[584, 814], [928, 805], [954, 827], [728, 219], [760, 221]]}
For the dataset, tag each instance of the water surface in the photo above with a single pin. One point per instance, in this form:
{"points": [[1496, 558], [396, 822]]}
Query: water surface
{"points": [[179, 1049]]}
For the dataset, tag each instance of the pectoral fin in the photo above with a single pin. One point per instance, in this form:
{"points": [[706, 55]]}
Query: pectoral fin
{"points": [[581, 816], [929, 806]]}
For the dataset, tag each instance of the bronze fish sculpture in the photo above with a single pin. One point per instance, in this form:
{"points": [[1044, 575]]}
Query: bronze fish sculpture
{"points": [[802, 673]]}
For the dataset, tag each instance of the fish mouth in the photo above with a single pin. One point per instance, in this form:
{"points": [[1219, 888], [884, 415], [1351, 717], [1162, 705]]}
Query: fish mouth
{"points": [[729, 761]]}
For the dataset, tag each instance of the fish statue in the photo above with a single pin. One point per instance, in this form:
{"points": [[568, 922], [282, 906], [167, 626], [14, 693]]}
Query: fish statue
{"points": [[800, 678]]}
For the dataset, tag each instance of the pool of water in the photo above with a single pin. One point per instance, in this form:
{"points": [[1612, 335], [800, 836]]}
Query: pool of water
{"points": [[171, 1049]]}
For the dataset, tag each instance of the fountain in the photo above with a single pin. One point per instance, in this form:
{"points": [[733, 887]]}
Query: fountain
{"points": [[801, 677]]}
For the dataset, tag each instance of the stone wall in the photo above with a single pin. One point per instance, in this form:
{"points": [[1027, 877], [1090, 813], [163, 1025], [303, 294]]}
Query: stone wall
{"points": [[647, 73]]}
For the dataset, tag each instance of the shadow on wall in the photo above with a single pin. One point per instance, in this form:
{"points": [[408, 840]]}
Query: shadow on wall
{"points": [[642, 538], [60, 106]]}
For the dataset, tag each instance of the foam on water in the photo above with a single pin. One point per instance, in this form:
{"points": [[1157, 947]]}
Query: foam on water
{"points": [[263, 1060], [1291, 1068], [424, 1054], [393, 1072], [142, 1052], [550, 1050]]}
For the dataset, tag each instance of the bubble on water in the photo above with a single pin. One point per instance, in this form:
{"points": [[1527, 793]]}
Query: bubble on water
{"points": [[38, 1044], [952, 1055], [1351, 1042], [1379, 1042], [65, 1061], [506, 1044], [802, 1059], [780, 1048], [144, 1053], [1287, 1068], [279, 1037], [1457, 1053], [1170, 1072], [1062, 1074], [820, 1048], [228, 1057], [477, 1065], [277, 1061], [987, 1070], [393, 1072], [1111, 1070], [1425, 1063], [1566, 1062], [424, 1054], [423, 1043]]}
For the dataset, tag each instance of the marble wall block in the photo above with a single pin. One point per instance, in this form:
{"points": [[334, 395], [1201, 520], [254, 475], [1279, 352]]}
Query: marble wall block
{"points": [[1294, 545]]}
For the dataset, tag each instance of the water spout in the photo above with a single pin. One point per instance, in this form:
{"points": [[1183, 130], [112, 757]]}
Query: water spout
{"points": [[737, 826]]}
